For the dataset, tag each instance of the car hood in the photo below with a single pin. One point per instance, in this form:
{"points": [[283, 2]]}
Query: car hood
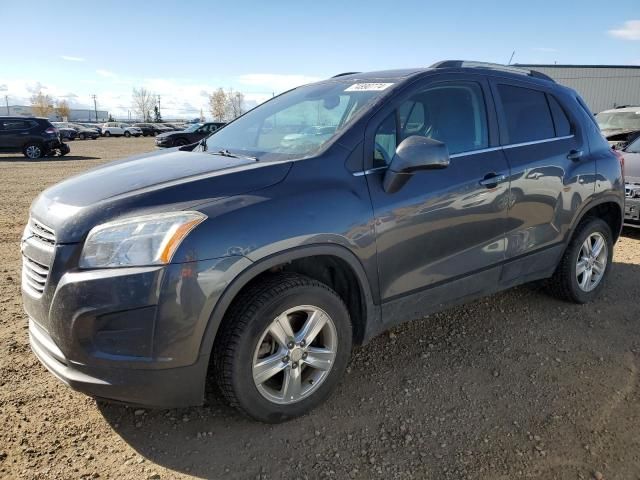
{"points": [[168, 134], [159, 181]]}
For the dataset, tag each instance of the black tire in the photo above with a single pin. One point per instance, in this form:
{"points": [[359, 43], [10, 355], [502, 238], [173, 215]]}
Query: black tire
{"points": [[564, 283], [248, 317], [33, 151], [127, 133], [180, 142], [107, 133]]}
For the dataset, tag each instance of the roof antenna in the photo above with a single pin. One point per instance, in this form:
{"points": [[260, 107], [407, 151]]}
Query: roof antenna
{"points": [[510, 59]]}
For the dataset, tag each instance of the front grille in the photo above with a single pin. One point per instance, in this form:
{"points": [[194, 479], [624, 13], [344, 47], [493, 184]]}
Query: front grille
{"points": [[42, 232], [34, 275]]}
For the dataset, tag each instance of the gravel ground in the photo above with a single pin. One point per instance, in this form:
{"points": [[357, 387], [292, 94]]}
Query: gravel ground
{"points": [[518, 385]]}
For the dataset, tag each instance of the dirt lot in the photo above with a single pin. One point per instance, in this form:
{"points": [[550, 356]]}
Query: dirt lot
{"points": [[518, 385]]}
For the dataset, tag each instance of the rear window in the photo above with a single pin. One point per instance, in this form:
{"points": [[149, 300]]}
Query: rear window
{"points": [[527, 114], [560, 120]]}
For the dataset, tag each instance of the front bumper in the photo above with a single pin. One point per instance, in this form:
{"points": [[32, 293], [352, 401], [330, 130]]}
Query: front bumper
{"points": [[129, 334], [632, 212]]}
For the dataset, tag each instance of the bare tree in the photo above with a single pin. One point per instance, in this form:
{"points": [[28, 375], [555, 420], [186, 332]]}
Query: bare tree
{"points": [[218, 105], [62, 109], [235, 103], [41, 105], [143, 103]]}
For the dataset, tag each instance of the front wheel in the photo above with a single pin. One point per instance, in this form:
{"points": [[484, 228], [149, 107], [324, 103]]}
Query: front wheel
{"points": [[180, 142], [107, 133], [283, 347], [583, 269], [127, 134]]}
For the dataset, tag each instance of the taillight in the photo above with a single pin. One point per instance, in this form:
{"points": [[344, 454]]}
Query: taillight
{"points": [[621, 158], [51, 130]]}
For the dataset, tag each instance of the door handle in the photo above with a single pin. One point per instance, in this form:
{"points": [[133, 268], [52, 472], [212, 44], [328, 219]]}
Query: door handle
{"points": [[574, 155], [491, 180]]}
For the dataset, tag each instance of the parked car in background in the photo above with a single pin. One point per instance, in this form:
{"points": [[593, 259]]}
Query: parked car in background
{"points": [[82, 131], [191, 134], [94, 126], [33, 137], [148, 129], [175, 126], [162, 128], [118, 129], [632, 183], [261, 263], [620, 126], [66, 133]]}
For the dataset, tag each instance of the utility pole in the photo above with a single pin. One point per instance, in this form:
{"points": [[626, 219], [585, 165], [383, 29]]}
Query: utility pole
{"points": [[6, 101], [159, 105], [95, 106]]}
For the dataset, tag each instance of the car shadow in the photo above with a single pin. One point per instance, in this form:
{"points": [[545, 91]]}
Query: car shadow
{"points": [[65, 158], [476, 370]]}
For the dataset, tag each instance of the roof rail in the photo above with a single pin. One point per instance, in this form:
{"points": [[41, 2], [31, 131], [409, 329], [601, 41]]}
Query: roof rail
{"points": [[343, 74], [491, 66]]}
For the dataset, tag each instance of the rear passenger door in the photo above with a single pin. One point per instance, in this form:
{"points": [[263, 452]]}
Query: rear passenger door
{"points": [[551, 169], [13, 134]]}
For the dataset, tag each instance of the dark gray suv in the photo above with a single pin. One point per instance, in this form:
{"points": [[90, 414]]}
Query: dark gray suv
{"points": [[312, 223]]}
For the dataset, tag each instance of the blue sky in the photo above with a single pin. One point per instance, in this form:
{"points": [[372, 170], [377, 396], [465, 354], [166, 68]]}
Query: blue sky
{"points": [[183, 50]]}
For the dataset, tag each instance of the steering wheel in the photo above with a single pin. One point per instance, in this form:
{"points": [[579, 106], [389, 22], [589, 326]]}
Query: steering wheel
{"points": [[384, 153]]}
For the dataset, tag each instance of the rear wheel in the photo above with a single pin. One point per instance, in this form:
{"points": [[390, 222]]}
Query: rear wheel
{"points": [[127, 133], [283, 347], [582, 272], [81, 136], [33, 151], [107, 133]]}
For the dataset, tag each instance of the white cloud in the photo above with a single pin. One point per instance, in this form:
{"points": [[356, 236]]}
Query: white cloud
{"points": [[72, 59], [630, 30], [276, 82], [105, 73], [3, 87], [545, 49]]}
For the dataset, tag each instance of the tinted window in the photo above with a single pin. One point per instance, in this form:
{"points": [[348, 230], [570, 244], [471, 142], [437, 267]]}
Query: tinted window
{"points": [[634, 147], [560, 120], [15, 124], [527, 114], [453, 114]]}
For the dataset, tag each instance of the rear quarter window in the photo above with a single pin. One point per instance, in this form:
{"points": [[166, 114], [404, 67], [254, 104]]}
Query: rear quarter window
{"points": [[526, 113], [560, 120]]}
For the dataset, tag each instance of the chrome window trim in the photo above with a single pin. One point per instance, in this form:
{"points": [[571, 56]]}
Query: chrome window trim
{"points": [[476, 152]]}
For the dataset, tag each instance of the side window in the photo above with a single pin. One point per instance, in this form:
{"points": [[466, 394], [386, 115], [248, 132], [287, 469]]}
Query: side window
{"points": [[560, 120], [527, 114], [385, 141], [452, 113], [14, 124]]}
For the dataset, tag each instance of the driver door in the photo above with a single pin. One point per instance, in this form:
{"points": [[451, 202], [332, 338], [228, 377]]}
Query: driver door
{"points": [[444, 226]]}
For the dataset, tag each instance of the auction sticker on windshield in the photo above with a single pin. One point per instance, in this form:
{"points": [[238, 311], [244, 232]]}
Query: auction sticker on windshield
{"points": [[368, 87]]}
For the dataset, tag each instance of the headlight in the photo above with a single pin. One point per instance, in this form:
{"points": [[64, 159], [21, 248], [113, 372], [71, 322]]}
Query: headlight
{"points": [[137, 241]]}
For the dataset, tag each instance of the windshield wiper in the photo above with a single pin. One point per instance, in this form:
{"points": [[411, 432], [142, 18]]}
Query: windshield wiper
{"points": [[227, 153]]}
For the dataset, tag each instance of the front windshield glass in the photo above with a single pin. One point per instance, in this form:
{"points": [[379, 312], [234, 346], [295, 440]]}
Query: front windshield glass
{"points": [[619, 120], [192, 128], [297, 123]]}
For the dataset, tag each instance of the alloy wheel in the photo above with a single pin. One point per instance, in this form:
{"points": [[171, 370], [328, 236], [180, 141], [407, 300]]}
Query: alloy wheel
{"points": [[33, 152], [294, 354], [592, 262]]}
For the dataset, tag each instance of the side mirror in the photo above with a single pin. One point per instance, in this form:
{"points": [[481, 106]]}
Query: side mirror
{"points": [[413, 154]]}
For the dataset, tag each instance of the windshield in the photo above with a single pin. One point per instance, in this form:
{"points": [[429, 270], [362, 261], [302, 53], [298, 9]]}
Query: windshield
{"points": [[619, 120], [192, 128], [297, 123]]}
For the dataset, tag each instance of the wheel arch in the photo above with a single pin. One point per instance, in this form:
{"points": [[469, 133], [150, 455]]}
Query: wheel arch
{"points": [[331, 264], [609, 208]]}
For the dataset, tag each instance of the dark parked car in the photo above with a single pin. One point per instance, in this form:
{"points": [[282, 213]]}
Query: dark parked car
{"points": [[83, 132], [34, 137], [264, 258], [93, 126], [66, 133], [632, 187], [191, 134], [148, 129]]}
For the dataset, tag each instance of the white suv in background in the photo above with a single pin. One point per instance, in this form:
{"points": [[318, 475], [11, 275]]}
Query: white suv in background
{"points": [[117, 129]]}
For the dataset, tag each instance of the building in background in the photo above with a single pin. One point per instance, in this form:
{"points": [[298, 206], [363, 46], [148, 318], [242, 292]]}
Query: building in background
{"points": [[75, 114], [601, 86]]}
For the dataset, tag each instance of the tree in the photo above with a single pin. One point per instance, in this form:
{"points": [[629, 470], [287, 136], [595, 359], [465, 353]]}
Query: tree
{"points": [[41, 105], [157, 117], [110, 119], [235, 103], [62, 109], [218, 105], [143, 103]]}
